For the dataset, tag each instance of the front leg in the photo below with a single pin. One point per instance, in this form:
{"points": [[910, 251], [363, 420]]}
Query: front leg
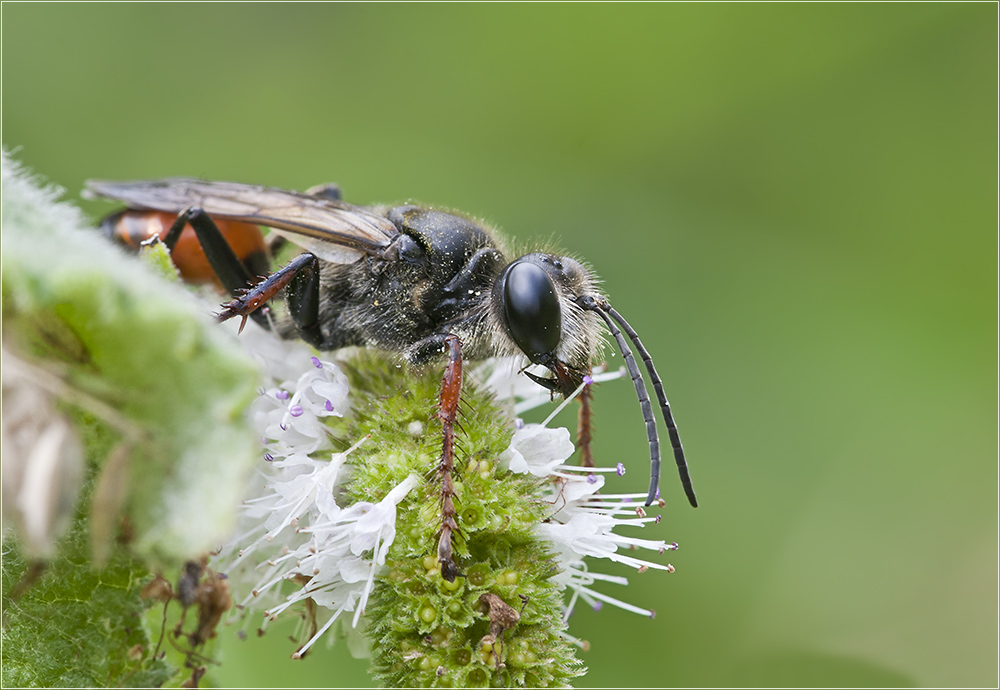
{"points": [[451, 388]]}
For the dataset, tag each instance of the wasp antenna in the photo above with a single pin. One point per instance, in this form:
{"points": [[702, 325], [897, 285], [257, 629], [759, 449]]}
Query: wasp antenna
{"points": [[589, 303], [668, 418]]}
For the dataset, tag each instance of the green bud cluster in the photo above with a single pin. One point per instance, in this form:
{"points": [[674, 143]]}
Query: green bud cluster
{"points": [[424, 630]]}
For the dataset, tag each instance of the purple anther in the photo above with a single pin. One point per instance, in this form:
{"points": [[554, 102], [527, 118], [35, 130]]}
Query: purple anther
{"points": [[658, 518], [620, 469], [316, 363], [518, 423], [674, 546], [282, 395], [268, 457], [588, 379], [598, 605], [284, 427], [592, 478], [295, 410], [329, 406]]}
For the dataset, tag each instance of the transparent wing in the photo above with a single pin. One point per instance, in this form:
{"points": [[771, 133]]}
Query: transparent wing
{"points": [[331, 229]]}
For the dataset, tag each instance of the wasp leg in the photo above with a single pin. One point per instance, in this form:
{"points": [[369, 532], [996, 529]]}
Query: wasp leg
{"points": [[463, 290], [327, 190], [584, 427], [303, 302], [451, 388], [247, 303], [428, 349], [232, 273]]}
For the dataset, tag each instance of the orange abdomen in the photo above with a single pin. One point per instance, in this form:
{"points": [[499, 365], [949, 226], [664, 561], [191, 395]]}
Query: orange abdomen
{"points": [[131, 228]]}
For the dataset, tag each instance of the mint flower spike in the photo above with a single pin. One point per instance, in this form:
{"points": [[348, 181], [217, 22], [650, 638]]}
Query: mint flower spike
{"points": [[356, 531]]}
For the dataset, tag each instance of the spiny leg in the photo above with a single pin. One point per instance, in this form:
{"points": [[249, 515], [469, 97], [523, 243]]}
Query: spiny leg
{"points": [[451, 388], [584, 427], [232, 273], [301, 274]]}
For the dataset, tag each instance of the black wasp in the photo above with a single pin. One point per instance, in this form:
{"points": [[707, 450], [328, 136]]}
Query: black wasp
{"points": [[413, 280]]}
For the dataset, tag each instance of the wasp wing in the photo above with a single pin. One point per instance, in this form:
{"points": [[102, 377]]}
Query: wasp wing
{"points": [[330, 229]]}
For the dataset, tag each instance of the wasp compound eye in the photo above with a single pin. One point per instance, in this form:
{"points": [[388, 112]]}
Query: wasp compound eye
{"points": [[531, 309]]}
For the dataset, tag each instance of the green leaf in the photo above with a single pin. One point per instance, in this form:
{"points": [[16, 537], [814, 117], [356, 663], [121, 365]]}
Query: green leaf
{"points": [[74, 626]]}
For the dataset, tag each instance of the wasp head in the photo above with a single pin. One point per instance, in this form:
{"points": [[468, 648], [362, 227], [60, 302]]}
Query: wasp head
{"points": [[536, 297]]}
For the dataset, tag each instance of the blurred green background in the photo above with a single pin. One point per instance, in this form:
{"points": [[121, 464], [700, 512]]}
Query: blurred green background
{"points": [[795, 205]]}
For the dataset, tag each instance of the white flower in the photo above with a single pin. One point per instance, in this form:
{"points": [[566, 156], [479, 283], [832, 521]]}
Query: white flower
{"points": [[295, 530], [584, 527], [537, 450], [289, 415], [583, 522], [332, 561]]}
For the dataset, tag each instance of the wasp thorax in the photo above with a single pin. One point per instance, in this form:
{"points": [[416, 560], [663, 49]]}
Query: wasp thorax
{"points": [[531, 311]]}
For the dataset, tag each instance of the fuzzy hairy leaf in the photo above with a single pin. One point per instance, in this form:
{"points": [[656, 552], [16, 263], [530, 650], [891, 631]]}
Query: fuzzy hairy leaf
{"points": [[155, 394], [74, 626], [113, 332]]}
